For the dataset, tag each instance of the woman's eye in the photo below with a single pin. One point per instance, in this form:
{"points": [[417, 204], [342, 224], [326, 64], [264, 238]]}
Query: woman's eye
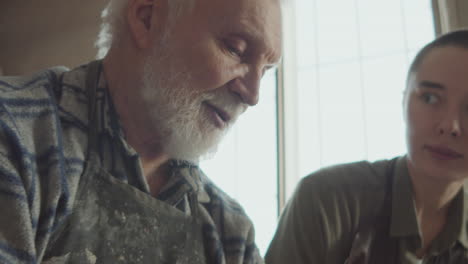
{"points": [[429, 98]]}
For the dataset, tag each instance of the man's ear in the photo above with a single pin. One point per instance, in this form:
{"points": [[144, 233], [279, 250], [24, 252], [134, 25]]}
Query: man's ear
{"points": [[146, 18]]}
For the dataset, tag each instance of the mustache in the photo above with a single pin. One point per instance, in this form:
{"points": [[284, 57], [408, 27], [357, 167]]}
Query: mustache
{"points": [[229, 102]]}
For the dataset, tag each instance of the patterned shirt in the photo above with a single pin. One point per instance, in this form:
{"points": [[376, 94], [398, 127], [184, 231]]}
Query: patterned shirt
{"points": [[43, 145]]}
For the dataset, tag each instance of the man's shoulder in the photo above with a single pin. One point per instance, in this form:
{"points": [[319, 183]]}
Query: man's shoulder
{"points": [[28, 98], [53, 94], [36, 84], [35, 123], [27, 101], [43, 155], [50, 83]]}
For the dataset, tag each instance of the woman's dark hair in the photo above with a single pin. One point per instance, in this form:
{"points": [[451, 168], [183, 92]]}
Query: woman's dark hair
{"points": [[457, 38]]}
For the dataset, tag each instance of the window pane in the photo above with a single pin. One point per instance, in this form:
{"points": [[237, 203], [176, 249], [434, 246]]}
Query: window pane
{"points": [[419, 25], [341, 114], [305, 26], [380, 27], [308, 131], [352, 58], [337, 36], [384, 82], [245, 166]]}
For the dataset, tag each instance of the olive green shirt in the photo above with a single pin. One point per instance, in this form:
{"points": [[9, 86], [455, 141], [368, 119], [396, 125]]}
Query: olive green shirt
{"points": [[320, 221]]}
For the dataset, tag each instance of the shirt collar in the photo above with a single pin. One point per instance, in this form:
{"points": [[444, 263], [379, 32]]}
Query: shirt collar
{"points": [[454, 227], [404, 221], [185, 177]]}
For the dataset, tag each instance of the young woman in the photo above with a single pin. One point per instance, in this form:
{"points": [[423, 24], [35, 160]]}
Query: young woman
{"points": [[412, 209]]}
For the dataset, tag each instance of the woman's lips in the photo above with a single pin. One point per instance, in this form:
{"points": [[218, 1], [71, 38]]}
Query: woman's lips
{"points": [[443, 153]]}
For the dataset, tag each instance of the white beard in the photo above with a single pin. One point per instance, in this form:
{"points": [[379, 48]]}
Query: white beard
{"points": [[176, 112]]}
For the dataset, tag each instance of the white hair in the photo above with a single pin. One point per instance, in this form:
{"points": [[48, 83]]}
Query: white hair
{"points": [[113, 20]]}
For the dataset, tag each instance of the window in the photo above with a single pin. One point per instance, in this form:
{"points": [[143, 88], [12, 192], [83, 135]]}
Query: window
{"points": [[246, 163], [343, 75], [350, 69]]}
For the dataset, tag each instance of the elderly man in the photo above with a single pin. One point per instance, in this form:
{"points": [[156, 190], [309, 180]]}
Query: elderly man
{"points": [[97, 164]]}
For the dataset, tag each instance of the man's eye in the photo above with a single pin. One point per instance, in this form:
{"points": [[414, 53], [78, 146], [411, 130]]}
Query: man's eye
{"points": [[235, 51], [236, 47], [429, 98]]}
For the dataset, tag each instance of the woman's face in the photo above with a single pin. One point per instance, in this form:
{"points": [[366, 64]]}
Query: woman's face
{"points": [[436, 115]]}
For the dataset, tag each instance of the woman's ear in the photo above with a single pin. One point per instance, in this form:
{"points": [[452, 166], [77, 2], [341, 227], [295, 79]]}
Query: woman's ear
{"points": [[411, 80], [146, 18]]}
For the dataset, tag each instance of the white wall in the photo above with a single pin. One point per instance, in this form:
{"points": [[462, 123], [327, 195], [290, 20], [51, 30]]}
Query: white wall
{"points": [[462, 12], [450, 15], [39, 34]]}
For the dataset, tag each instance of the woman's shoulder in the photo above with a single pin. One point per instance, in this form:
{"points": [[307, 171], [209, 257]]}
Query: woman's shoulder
{"points": [[358, 174], [351, 190]]}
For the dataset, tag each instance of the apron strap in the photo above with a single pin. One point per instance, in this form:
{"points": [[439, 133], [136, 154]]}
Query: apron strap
{"points": [[92, 157], [92, 82]]}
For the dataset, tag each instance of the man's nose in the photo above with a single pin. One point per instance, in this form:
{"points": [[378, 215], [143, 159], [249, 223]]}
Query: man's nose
{"points": [[247, 87]]}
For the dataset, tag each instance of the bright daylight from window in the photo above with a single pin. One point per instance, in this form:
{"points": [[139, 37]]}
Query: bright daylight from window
{"points": [[351, 63]]}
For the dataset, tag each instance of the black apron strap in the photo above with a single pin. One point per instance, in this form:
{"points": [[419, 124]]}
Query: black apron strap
{"points": [[92, 83]]}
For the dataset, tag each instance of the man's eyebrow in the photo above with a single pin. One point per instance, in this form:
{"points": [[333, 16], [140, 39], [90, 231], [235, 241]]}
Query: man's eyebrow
{"points": [[253, 36], [433, 85]]}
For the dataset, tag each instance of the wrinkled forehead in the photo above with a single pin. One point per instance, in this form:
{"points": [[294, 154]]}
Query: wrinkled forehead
{"points": [[260, 12], [261, 19]]}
